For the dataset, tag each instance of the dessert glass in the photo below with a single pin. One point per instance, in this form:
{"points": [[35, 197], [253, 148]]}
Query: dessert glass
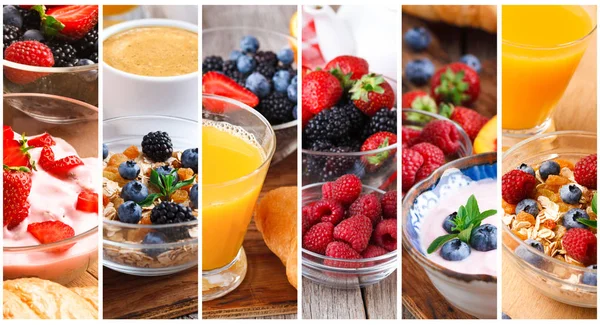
{"points": [[558, 280], [225, 221]]}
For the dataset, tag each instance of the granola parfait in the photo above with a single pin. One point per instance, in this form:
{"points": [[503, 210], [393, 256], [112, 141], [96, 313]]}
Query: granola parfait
{"points": [[150, 199]]}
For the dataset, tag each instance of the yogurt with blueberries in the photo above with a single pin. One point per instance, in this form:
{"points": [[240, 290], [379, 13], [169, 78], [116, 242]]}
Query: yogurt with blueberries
{"points": [[479, 255]]}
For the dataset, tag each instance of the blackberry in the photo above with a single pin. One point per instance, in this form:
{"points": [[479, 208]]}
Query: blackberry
{"points": [[356, 116], [289, 68], [11, 35], [157, 146], [276, 108], [383, 120], [63, 53], [31, 19], [230, 70], [212, 63], [351, 142], [266, 57], [170, 213], [266, 70], [330, 124], [336, 166], [94, 57], [87, 45], [321, 145]]}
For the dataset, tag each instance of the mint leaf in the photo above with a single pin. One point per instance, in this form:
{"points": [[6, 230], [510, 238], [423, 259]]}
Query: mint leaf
{"points": [[183, 183], [595, 203], [439, 242], [482, 216], [465, 235], [589, 223], [149, 200]]}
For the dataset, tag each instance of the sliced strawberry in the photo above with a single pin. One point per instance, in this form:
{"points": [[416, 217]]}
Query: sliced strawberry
{"points": [[8, 133], [62, 167], [87, 201], [48, 232], [41, 141], [46, 160], [218, 84], [16, 153], [17, 186], [77, 20]]}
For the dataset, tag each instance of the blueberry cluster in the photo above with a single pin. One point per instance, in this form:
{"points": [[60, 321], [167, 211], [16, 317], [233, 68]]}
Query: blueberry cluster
{"points": [[270, 76], [483, 238]]}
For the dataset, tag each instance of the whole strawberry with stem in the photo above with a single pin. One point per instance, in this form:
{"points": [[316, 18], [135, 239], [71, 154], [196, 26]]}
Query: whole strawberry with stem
{"points": [[378, 140], [17, 186], [348, 68], [31, 53], [470, 120], [372, 93], [320, 90], [455, 83]]}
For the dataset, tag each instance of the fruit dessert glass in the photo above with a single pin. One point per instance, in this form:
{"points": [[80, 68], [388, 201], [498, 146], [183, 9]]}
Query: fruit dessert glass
{"points": [[140, 236], [224, 42], [470, 289], [64, 65], [353, 252], [52, 233], [539, 240]]}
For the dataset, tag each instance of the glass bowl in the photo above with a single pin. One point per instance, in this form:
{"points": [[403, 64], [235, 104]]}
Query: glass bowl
{"points": [[353, 273], [220, 41], [80, 83], [122, 247], [52, 109], [41, 260], [555, 279]]}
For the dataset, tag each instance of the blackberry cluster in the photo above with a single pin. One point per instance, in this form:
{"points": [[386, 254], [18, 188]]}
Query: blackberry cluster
{"points": [[332, 125], [266, 70], [88, 44], [157, 146], [31, 19], [212, 63], [276, 108], [172, 213], [64, 54], [266, 58], [383, 120], [11, 34], [230, 70]]}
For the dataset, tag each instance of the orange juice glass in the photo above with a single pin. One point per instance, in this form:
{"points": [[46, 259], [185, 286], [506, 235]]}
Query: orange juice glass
{"points": [[541, 48], [237, 146]]}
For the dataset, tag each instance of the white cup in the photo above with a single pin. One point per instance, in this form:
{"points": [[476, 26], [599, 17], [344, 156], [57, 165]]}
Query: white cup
{"points": [[126, 94]]}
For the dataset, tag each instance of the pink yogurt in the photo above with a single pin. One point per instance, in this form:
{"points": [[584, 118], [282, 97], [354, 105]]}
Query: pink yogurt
{"points": [[52, 198], [478, 262]]}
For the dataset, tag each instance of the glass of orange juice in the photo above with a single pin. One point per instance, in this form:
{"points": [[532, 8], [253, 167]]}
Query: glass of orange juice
{"points": [[114, 14], [541, 48], [237, 146]]}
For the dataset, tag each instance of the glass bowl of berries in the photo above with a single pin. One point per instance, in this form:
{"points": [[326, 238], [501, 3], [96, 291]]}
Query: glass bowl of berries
{"points": [[150, 194], [549, 224], [256, 67], [47, 50], [349, 233]]}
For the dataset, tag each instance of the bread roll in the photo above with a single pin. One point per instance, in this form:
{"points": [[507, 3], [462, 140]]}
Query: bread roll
{"points": [[476, 16]]}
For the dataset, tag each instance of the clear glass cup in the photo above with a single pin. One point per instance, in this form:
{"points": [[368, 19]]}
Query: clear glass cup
{"points": [[227, 207], [534, 77]]}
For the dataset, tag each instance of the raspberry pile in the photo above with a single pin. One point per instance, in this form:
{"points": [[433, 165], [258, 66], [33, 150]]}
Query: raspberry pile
{"points": [[349, 225]]}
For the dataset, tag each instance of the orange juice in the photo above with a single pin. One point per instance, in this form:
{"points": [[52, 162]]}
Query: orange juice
{"points": [[541, 48], [231, 181]]}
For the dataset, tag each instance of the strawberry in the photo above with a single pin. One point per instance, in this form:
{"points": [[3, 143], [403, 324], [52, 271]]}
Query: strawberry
{"points": [[389, 205], [377, 141], [411, 162], [77, 20], [418, 100], [586, 170], [581, 245], [385, 234], [372, 93], [469, 119], [318, 237], [320, 90], [367, 205], [305, 70], [517, 185], [16, 153], [442, 134], [355, 231], [87, 201], [61, 167], [348, 68], [373, 251], [347, 188], [328, 210], [409, 97], [17, 186], [341, 250], [7, 134], [46, 160], [455, 83], [48, 232], [41, 141], [29, 53], [218, 84], [306, 116]]}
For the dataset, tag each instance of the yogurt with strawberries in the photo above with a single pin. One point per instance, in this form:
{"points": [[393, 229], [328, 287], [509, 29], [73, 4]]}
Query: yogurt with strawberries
{"points": [[477, 262]]}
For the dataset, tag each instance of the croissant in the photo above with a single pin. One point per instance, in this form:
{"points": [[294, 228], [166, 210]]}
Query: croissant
{"points": [[476, 16], [276, 219], [33, 298]]}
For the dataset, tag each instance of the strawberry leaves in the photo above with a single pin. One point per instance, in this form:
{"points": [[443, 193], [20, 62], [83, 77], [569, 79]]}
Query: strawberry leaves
{"points": [[166, 184], [50, 26], [452, 87]]}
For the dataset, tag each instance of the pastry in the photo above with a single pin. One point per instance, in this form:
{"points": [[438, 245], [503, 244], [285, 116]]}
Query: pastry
{"points": [[476, 16], [276, 220]]}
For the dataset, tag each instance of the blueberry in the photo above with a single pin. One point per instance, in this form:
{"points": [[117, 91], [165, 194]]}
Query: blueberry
{"points": [[130, 212], [104, 151], [455, 250], [245, 64], [526, 168], [292, 92], [295, 112], [249, 44], [528, 205], [166, 170], [234, 55], [33, 35], [258, 84], [571, 217], [484, 238], [85, 62], [134, 191], [294, 81], [286, 56], [570, 193], [189, 159], [528, 256], [281, 80], [590, 278], [129, 170], [472, 61], [12, 16], [505, 316], [549, 167], [419, 71], [448, 223], [194, 197], [417, 38], [154, 238]]}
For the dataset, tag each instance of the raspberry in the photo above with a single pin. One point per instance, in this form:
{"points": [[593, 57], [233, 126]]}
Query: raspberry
{"points": [[425, 171], [442, 134], [373, 251], [328, 210], [355, 231], [308, 217], [581, 244], [409, 135], [516, 186], [431, 154], [385, 234], [347, 188], [389, 205], [29, 53], [411, 162], [318, 237], [367, 205], [586, 171], [338, 249], [327, 190]]}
